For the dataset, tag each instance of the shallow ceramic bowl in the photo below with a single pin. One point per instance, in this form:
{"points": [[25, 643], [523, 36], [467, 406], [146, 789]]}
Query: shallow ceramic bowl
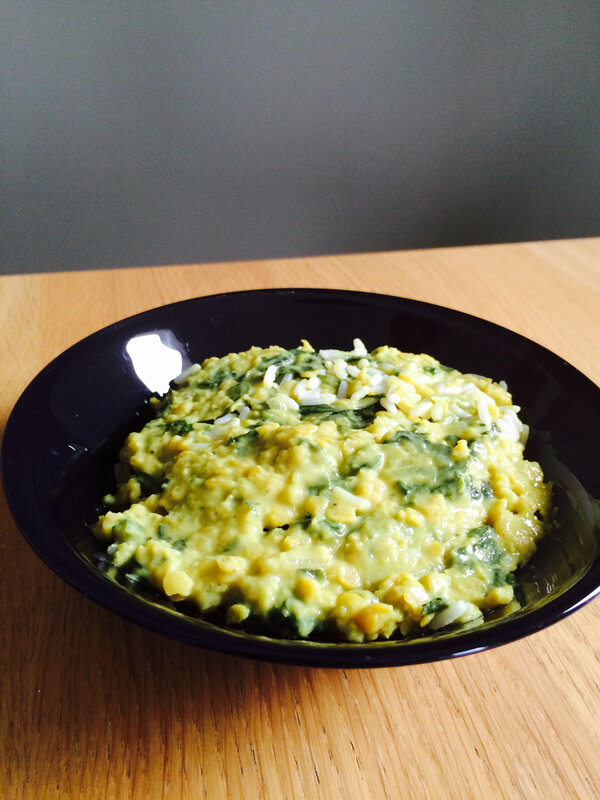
{"points": [[63, 436]]}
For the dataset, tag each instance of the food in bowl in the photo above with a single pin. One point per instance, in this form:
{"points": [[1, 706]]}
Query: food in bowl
{"points": [[338, 494]]}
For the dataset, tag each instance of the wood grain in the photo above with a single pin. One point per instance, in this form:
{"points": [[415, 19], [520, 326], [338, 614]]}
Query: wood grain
{"points": [[92, 706]]}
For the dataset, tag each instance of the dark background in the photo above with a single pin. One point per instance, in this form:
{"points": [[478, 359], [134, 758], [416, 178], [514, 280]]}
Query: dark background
{"points": [[168, 132]]}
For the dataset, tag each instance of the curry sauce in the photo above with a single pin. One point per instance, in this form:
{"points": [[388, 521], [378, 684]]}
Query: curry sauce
{"points": [[360, 495]]}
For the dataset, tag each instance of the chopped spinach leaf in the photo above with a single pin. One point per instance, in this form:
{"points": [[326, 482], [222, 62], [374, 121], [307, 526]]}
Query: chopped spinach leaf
{"points": [[418, 440], [335, 527], [279, 360], [317, 573], [245, 443], [452, 439], [368, 457], [362, 417], [239, 389], [320, 408], [352, 358], [216, 379], [134, 573], [313, 446], [305, 361], [357, 418], [503, 578], [128, 529], [162, 533], [164, 405], [179, 427], [487, 544], [435, 605], [448, 481], [282, 622], [148, 484], [484, 547], [460, 557], [320, 486], [483, 490]]}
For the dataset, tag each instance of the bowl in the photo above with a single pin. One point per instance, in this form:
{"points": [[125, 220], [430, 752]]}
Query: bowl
{"points": [[63, 436]]}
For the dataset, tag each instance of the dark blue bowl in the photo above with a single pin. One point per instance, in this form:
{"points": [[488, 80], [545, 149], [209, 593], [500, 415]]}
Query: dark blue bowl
{"points": [[62, 439]]}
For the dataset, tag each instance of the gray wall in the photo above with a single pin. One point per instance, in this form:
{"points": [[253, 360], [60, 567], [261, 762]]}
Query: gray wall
{"points": [[168, 132]]}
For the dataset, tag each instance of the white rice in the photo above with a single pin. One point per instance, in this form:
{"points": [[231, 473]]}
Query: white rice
{"points": [[316, 398], [359, 348], [340, 369], [507, 429], [437, 412], [442, 389], [459, 412], [509, 423], [421, 409], [484, 412], [342, 495], [198, 445], [224, 419], [448, 615], [308, 392], [270, 375], [182, 377], [288, 402], [388, 405], [329, 355], [378, 381], [361, 392]]}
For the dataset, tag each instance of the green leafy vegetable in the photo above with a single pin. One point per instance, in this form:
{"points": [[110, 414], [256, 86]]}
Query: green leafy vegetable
{"points": [[179, 427], [216, 379], [282, 622], [484, 547], [317, 573], [148, 483], [245, 443], [368, 457], [128, 529], [358, 418], [435, 605]]}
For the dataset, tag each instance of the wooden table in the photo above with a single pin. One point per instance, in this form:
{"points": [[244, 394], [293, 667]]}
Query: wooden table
{"points": [[94, 707]]}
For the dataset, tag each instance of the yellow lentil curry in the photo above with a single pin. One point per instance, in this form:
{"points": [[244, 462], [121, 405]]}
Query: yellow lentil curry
{"points": [[349, 494]]}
